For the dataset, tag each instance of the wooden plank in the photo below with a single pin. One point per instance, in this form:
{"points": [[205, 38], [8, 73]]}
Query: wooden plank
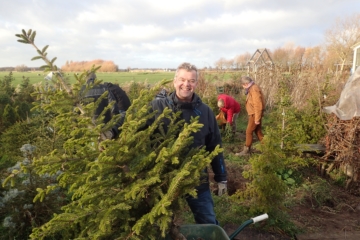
{"points": [[311, 147]]}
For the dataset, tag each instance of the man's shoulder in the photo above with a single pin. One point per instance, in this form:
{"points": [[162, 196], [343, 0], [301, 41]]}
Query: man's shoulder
{"points": [[160, 102], [92, 90], [114, 87]]}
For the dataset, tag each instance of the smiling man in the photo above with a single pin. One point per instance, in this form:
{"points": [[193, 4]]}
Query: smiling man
{"points": [[185, 82], [185, 99]]}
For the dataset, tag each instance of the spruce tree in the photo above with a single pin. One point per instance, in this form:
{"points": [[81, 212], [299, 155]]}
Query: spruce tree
{"points": [[128, 188], [9, 116], [131, 187], [19, 214]]}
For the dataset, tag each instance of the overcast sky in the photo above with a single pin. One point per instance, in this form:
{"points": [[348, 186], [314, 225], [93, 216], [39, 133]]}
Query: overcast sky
{"points": [[162, 33]]}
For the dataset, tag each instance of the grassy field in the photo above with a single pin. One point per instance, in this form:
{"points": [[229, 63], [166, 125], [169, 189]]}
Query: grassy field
{"points": [[122, 78]]}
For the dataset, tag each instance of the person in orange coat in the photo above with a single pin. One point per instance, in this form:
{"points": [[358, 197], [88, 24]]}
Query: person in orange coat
{"points": [[230, 107], [255, 106]]}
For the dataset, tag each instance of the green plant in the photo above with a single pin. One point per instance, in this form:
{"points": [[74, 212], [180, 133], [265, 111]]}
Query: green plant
{"points": [[338, 177], [227, 134], [278, 155], [19, 100], [286, 176], [273, 171], [144, 173], [280, 222], [265, 191], [126, 175], [29, 38], [318, 192], [228, 212], [19, 213], [313, 118]]}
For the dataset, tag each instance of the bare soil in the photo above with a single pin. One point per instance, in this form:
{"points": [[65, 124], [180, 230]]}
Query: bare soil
{"points": [[331, 221], [338, 218]]}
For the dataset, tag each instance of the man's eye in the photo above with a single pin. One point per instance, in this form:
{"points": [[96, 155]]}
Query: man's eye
{"points": [[192, 81]]}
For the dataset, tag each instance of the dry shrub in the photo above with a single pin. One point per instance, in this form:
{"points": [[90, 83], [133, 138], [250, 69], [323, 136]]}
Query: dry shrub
{"points": [[343, 146], [207, 91], [302, 84], [106, 66]]}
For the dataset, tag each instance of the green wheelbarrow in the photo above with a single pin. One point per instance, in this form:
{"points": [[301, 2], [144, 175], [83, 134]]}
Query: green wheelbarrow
{"points": [[212, 231]]}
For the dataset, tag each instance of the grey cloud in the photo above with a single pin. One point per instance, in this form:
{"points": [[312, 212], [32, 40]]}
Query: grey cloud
{"points": [[157, 34]]}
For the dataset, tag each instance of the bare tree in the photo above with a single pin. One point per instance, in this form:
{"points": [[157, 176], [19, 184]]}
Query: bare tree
{"points": [[298, 55], [280, 57], [344, 34], [21, 68], [241, 60], [229, 64], [220, 64], [313, 56]]}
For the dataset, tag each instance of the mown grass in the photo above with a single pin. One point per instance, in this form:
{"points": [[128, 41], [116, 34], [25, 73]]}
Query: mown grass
{"points": [[122, 78]]}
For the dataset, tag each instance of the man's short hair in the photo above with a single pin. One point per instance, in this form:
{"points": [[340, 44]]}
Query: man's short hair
{"points": [[245, 80], [188, 67]]}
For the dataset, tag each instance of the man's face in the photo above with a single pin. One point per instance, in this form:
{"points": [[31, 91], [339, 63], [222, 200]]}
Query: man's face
{"points": [[185, 84]]}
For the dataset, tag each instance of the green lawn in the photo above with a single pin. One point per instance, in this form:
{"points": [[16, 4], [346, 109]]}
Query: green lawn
{"points": [[121, 78]]}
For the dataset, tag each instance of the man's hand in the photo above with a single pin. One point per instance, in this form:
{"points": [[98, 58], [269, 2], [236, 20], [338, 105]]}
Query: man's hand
{"points": [[106, 135], [222, 188]]}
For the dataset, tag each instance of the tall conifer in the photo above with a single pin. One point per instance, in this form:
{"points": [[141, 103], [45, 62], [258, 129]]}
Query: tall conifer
{"points": [[128, 188]]}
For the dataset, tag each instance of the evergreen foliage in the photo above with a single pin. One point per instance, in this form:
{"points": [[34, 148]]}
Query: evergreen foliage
{"points": [[6, 94], [24, 98], [35, 131], [134, 89], [131, 187], [15, 104], [19, 214], [313, 117], [128, 188], [29, 38], [9, 116], [6, 86]]}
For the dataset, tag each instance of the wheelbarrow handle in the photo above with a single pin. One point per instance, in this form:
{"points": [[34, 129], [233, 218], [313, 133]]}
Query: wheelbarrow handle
{"points": [[260, 218], [248, 222]]}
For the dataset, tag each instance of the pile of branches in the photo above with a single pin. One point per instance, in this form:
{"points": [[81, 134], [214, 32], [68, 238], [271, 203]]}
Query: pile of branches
{"points": [[343, 146]]}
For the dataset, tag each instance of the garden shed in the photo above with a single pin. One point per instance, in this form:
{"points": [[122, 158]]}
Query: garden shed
{"points": [[260, 58]]}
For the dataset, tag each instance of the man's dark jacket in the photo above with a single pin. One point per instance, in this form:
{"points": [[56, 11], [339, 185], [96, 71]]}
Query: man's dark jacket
{"points": [[208, 135], [92, 94]]}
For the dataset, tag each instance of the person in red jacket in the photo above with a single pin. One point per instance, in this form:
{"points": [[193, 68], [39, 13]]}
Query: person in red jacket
{"points": [[230, 107]]}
